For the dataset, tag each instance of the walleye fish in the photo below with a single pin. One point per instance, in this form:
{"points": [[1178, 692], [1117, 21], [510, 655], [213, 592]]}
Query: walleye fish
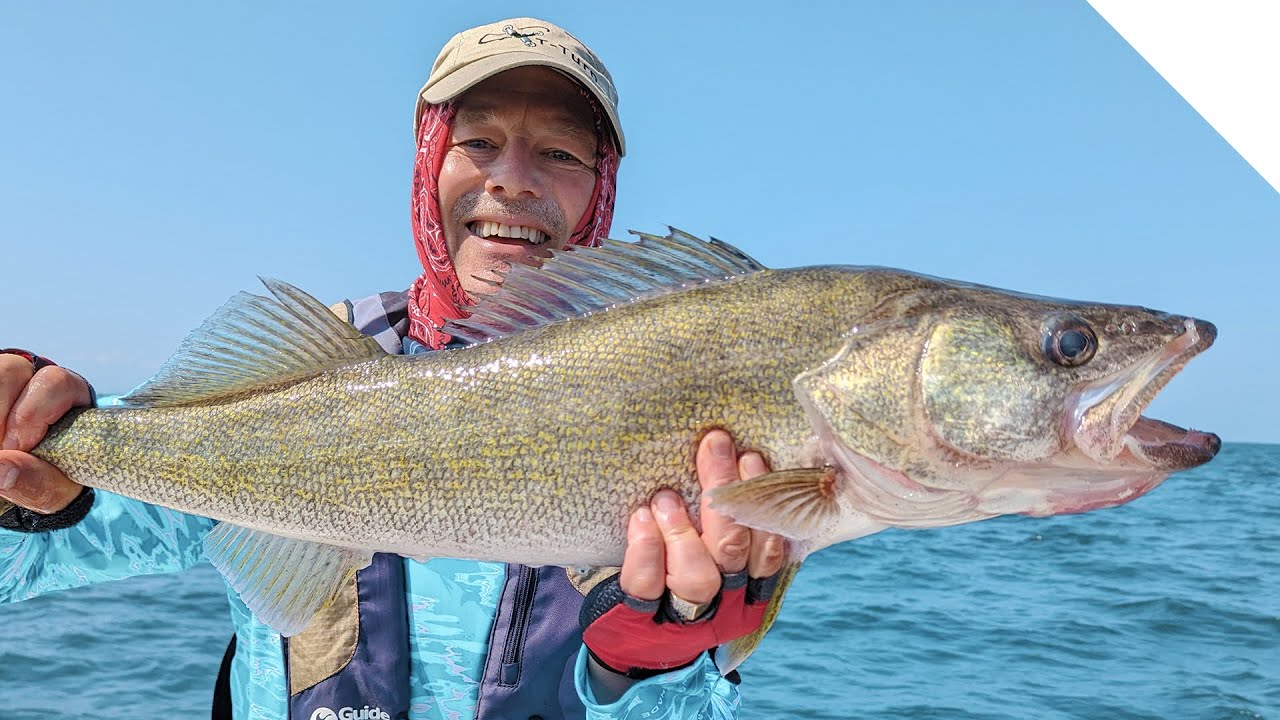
{"points": [[881, 399]]}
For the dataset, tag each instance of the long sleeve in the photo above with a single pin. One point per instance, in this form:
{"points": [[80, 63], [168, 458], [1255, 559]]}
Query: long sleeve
{"points": [[697, 692], [119, 538]]}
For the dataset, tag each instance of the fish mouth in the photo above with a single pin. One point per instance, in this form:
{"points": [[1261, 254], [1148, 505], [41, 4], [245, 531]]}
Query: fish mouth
{"points": [[1108, 424]]}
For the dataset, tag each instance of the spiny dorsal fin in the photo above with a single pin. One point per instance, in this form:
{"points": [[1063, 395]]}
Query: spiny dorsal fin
{"points": [[254, 341], [588, 280]]}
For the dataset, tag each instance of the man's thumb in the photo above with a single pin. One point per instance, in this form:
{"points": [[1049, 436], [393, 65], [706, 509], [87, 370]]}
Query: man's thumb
{"points": [[32, 483]]}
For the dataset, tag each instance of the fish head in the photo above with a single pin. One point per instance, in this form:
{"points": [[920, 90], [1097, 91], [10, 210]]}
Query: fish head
{"points": [[959, 402]]}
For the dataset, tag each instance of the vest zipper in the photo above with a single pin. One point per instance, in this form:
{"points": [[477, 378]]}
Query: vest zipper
{"points": [[513, 649]]}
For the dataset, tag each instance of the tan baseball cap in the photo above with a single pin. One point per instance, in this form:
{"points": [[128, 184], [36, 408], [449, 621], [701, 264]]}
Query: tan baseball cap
{"points": [[482, 52]]}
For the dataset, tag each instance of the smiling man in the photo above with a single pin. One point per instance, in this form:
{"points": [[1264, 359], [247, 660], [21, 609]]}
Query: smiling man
{"points": [[518, 142], [522, 159]]}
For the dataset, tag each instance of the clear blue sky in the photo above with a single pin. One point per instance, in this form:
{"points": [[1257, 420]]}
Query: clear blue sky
{"points": [[156, 157]]}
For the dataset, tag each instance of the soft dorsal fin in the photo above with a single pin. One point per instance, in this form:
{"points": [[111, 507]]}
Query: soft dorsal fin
{"points": [[254, 341], [587, 280]]}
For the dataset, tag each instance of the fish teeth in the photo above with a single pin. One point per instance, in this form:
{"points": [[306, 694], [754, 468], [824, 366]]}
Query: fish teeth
{"points": [[487, 228]]}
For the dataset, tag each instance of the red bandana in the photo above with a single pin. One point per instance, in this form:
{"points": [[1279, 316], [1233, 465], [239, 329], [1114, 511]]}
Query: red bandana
{"points": [[437, 296]]}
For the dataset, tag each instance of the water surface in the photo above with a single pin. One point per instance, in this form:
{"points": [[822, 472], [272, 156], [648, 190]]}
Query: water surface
{"points": [[1165, 608]]}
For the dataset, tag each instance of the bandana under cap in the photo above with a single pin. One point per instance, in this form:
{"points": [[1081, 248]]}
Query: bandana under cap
{"points": [[437, 295]]}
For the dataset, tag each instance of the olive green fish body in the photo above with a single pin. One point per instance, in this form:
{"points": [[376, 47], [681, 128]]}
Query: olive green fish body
{"points": [[880, 399], [533, 448]]}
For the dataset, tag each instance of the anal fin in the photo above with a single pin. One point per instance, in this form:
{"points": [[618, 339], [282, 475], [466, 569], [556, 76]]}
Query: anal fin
{"points": [[282, 581]]}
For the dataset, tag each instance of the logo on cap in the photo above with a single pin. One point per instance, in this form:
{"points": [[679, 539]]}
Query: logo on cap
{"points": [[523, 34]]}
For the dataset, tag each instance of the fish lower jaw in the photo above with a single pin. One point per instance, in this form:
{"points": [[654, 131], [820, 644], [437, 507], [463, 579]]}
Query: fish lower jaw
{"points": [[1150, 444], [1072, 482], [1071, 497], [1170, 447]]}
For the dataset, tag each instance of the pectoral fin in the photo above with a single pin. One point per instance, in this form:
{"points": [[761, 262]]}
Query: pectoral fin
{"points": [[282, 581], [797, 503]]}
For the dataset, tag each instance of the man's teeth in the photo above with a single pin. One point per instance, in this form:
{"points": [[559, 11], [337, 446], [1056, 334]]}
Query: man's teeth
{"points": [[484, 228]]}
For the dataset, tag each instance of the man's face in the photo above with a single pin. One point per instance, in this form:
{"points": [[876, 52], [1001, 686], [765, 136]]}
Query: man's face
{"points": [[518, 174]]}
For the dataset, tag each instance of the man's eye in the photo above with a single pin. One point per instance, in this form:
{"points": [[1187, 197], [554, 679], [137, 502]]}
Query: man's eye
{"points": [[478, 144], [562, 156]]}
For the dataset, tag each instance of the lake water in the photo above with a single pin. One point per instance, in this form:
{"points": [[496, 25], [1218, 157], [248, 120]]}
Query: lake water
{"points": [[1166, 608]]}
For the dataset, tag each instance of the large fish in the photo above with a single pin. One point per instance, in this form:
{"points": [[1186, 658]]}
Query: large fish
{"points": [[881, 399]]}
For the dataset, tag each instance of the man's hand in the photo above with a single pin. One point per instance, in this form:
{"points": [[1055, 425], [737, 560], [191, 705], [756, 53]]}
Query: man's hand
{"points": [[667, 554], [31, 401]]}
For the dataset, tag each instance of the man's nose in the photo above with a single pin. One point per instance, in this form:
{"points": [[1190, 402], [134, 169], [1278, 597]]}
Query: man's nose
{"points": [[514, 173]]}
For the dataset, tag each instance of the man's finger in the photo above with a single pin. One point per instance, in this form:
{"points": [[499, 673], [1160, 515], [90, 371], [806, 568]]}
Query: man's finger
{"points": [[15, 373], [751, 465], [644, 567], [717, 463], [691, 571], [50, 394], [34, 484], [768, 551]]}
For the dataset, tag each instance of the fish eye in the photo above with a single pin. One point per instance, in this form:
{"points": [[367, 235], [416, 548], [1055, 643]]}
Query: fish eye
{"points": [[1070, 342]]}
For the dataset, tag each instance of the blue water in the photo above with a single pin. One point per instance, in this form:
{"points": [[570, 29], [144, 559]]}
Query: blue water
{"points": [[1166, 608]]}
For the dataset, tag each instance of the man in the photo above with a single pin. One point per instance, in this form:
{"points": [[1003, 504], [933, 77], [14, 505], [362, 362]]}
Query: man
{"points": [[518, 142]]}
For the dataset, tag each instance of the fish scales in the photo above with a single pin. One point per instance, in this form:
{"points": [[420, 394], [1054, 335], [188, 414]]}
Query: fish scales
{"points": [[532, 448], [880, 399]]}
